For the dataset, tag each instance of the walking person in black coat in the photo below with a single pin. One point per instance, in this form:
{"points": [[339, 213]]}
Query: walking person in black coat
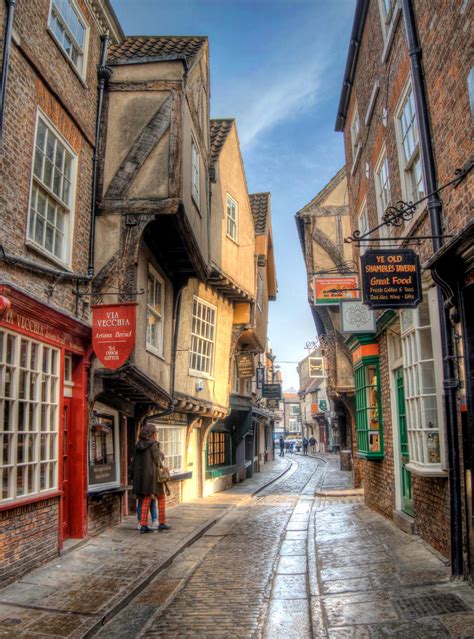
{"points": [[146, 462]]}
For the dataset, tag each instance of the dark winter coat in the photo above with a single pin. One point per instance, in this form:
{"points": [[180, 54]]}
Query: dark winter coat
{"points": [[145, 464]]}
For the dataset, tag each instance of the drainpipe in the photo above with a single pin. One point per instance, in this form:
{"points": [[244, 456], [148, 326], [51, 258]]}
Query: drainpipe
{"points": [[435, 213], [103, 73], [6, 59]]}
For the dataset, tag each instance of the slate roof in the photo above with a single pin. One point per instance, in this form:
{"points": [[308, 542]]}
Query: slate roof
{"points": [[220, 129], [260, 203], [164, 47]]}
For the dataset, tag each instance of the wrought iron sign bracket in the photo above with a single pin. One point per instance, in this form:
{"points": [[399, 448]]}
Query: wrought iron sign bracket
{"points": [[404, 211]]}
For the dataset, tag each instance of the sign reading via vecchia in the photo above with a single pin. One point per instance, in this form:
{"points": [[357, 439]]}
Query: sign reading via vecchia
{"points": [[391, 278], [113, 332]]}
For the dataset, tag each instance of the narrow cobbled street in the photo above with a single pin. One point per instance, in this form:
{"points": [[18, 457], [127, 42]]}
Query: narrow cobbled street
{"points": [[293, 553]]}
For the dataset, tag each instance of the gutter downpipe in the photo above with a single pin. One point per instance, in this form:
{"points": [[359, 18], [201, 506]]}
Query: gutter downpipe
{"points": [[6, 59], [435, 213], [103, 73]]}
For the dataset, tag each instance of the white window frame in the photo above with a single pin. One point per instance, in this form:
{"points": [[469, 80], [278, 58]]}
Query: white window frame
{"points": [[356, 144], [202, 348], [38, 187], [195, 174], [260, 291], [383, 191], [33, 396], [232, 218], [415, 398], [80, 68], [152, 313], [388, 22], [410, 165], [172, 440], [363, 225]]}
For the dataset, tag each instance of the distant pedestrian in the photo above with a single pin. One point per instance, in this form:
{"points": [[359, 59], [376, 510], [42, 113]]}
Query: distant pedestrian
{"points": [[282, 446], [312, 444], [147, 463], [305, 446]]}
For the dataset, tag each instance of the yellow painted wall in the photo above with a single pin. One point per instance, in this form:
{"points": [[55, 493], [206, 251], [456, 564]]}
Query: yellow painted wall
{"points": [[216, 387], [235, 259]]}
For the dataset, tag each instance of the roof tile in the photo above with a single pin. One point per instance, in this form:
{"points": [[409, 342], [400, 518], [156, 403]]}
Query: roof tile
{"points": [[220, 129], [260, 203], [157, 46]]}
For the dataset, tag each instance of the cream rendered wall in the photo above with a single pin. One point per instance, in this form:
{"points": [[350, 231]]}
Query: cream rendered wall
{"points": [[236, 259], [197, 212], [157, 368], [216, 387], [128, 114]]}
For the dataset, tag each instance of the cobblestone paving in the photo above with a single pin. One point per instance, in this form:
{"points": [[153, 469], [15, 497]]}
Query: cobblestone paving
{"points": [[228, 593]]}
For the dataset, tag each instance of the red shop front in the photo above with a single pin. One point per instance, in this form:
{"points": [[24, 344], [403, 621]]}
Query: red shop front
{"points": [[43, 426]]}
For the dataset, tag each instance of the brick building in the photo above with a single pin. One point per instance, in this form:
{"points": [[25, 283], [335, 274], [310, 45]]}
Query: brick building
{"points": [[52, 51], [406, 114]]}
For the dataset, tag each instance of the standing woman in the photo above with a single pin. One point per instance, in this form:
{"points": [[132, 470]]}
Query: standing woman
{"points": [[146, 464]]}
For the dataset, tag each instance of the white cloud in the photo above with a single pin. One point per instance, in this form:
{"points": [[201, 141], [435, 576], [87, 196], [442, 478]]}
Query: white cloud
{"points": [[278, 98]]}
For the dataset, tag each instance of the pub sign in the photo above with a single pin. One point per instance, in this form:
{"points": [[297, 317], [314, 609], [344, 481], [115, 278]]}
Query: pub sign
{"points": [[245, 365], [391, 278], [260, 376], [316, 367], [271, 391]]}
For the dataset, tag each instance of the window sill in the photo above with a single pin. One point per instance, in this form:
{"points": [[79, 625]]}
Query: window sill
{"points": [[220, 471], [155, 352], [181, 476], [370, 456], [99, 492], [69, 61], [41, 251], [25, 501], [198, 374], [427, 470], [232, 239]]}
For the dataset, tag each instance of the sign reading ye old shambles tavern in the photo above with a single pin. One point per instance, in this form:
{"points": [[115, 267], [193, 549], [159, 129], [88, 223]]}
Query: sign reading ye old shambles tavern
{"points": [[391, 278]]}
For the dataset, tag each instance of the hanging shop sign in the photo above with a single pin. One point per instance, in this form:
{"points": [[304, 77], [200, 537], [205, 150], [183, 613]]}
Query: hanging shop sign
{"points": [[329, 290], [271, 391], [316, 367], [113, 332], [273, 404], [323, 405], [391, 278], [356, 317], [245, 365], [260, 376]]}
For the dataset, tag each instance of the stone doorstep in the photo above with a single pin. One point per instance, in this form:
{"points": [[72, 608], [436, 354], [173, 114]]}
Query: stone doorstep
{"points": [[404, 522], [140, 584], [344, 492]]}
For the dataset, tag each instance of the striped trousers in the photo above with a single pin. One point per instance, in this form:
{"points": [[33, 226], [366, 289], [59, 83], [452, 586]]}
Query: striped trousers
{"points": [[145, 507]]}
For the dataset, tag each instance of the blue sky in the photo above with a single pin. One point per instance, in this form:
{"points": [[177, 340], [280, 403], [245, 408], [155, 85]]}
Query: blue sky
{"points": [[277, 67]]}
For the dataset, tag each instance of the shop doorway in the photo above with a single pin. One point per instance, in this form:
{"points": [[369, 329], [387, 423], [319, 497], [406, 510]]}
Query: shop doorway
{"points": [[405, 475], [66, 483]]}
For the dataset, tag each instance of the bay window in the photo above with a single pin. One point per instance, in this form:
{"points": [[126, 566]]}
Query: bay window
{"points": [[172, 444], [421, 370], [29, 417], [368, 408]]}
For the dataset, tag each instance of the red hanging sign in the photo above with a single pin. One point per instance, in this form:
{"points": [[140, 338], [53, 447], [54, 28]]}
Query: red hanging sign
{"points": [[113, 332]]}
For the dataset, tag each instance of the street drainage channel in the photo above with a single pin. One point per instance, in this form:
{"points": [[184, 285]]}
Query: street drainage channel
{"points": [[131, 615]]}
